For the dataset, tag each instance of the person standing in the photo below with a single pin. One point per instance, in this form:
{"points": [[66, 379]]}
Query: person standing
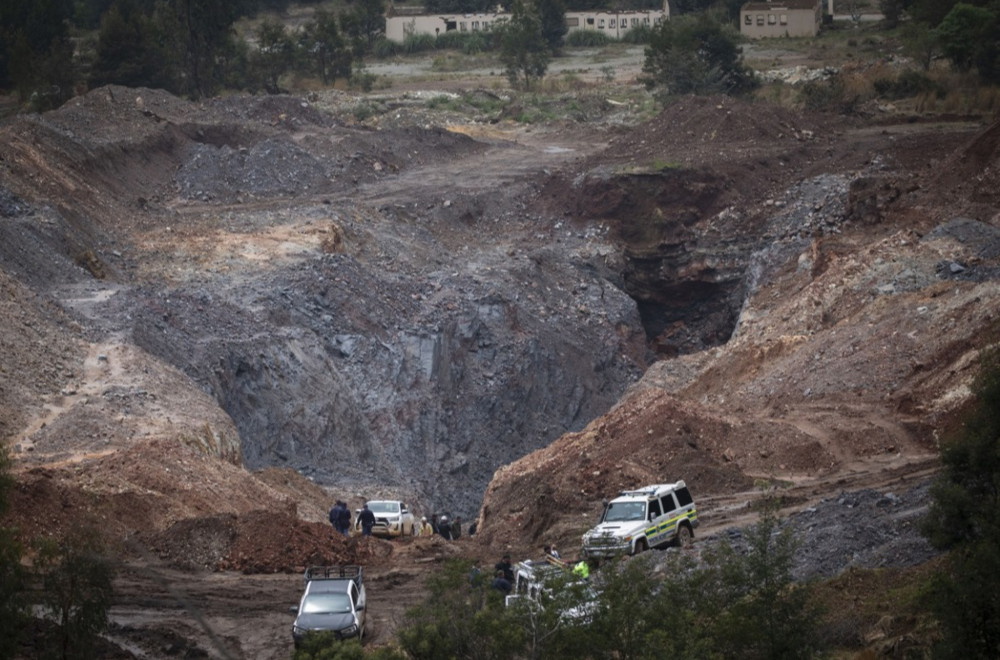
{"points": [[335, 515], [345, 519], [444, 528], [456, 528], [366, 519], [425, 528], [501, 583], [504, 566]]}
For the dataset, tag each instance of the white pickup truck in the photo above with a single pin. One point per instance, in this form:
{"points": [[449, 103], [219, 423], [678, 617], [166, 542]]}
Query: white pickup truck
{"points": [[636, 520]]}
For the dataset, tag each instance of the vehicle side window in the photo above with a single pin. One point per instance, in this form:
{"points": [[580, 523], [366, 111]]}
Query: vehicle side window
{"points": [[683, 496], [654, 509], [668, 503]]}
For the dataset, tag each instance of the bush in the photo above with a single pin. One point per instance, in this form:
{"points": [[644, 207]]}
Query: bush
{"points": [[828, 96], [465, 42], [587, 39], [964, 518], [418, 43], [386, 48], [908, 84], [13, 608], [76, 592], [641, 34]]}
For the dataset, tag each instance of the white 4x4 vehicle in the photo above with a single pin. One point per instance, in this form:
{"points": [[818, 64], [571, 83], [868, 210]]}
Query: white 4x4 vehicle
{"points": [[392, 518], [637, 520]]}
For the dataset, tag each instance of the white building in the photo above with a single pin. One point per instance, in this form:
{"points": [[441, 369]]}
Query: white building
{"points": [[612, 23]]}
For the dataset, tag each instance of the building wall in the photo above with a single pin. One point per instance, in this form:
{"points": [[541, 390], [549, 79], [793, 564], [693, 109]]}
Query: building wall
{"points": [[760, 21], [613, 24]]}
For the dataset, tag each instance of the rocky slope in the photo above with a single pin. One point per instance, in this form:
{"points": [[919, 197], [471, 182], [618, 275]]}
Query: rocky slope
{"points": [[409, 309]]}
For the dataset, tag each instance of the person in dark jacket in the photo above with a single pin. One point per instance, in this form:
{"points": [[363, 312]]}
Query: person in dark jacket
{"points": [[366, 519], [504, 566], [335, 515], [345, 519], [501, 583]]}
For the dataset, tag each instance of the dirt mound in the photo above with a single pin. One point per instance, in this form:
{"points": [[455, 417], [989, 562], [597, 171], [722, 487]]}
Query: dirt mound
{"points": [[261, 542], [554, 494], [716, 130], [970, 177]]}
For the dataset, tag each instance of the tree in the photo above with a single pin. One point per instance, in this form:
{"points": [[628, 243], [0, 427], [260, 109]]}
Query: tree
{"points": [[274, 56], [199, 38], [967, 36], [696, 55], [128, 51], [892, 11], [461, 618], [76, 592], [457, 6], [768, 616], [523, 50], [322, 44], [919, 43], [37, 53], [931, 12], [964, 517], [553, 15], [365, 23], [13, 607]]}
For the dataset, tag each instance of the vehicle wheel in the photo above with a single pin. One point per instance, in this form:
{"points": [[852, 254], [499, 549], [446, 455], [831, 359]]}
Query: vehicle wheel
{"points": [[413, 529], [641, 546], [685, 536]]}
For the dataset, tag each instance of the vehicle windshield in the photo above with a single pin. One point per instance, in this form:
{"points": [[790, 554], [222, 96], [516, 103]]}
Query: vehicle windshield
{"points": [[326, 604], [621, 511], [384, 507]]}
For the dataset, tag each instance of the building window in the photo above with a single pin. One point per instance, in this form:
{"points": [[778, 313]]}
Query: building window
{"points": [[590, 20], [772, 19], [635, 22], [783, 19], [611, 23], [645, 20], [463, 26], [760, 19], [475, 26], [572, 21], [600, 23], [747, 19]]}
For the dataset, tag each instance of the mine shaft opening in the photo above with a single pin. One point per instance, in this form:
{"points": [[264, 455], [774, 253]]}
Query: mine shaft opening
{"points": [[687, 317]]}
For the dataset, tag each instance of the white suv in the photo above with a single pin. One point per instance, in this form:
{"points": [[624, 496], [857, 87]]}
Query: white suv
{"points": [[392, 518], [637, 520]]}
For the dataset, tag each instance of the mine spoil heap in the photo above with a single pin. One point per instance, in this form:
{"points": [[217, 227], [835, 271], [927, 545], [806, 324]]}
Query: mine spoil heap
{"points": [[212, 310]]}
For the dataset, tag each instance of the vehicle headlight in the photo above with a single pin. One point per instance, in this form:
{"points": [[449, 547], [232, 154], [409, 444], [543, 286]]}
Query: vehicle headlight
{"points": [[298, 630], [349, 630]]}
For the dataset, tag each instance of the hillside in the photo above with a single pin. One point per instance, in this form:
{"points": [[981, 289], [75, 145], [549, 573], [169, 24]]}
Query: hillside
{"points": [[219, 316]]}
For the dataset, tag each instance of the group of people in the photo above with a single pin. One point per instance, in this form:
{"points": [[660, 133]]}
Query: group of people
{"points": [[503, 571], [340, 518]]}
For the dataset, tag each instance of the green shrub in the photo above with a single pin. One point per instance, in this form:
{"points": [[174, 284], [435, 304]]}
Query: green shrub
{"points": [[828, 96], [386, 48], [76, 592], [587, 39], [908, 84], [469, 43], [418, 43], [640, 34]]}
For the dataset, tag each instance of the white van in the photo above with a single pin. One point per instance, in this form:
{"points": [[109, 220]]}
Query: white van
{"points": [[636, 520]]}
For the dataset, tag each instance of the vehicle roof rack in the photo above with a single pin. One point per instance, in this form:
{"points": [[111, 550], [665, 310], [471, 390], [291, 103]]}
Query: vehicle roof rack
{"points": [[340, 572]]}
